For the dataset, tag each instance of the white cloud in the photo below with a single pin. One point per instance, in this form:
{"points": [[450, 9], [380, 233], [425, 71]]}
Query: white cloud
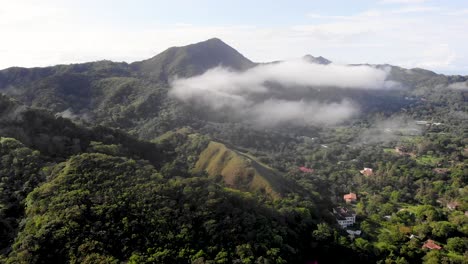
{"points": [[275, 112], [388, 130], [270, 95], [462, 86]]}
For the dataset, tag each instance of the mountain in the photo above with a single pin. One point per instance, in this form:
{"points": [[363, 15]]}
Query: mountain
{"points": [[318, 60], [192, 60], [107, 92], [118, 93], [97, 195], [134, 97], [100, 164]]}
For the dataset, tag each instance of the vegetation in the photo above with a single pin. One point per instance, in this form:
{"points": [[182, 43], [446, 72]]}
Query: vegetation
{"points": [[99, 165]]}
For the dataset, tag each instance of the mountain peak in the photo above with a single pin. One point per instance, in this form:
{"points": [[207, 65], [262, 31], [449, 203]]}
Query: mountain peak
{"points": [[318, 60], [194, 59], [212, 40]]}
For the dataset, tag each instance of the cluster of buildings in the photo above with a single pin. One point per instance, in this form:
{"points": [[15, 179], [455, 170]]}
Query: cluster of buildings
{"points": [[344, 216]]}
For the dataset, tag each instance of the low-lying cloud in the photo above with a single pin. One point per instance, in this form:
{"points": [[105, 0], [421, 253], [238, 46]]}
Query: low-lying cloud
{"points": [[462, 86], [69, 114], [390, 130], [275, 112], [263, 95]]}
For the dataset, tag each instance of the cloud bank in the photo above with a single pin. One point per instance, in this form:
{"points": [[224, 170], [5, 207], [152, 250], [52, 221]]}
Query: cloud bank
{"points": [[279, 93], [462, 86]]}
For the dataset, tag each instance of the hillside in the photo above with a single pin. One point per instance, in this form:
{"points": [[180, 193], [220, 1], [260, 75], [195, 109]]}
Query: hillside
{"points": [[240, 171], [192, 60], [100, 162], [99, 208]]}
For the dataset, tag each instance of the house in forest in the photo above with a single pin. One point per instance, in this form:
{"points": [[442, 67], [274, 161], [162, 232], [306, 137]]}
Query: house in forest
{"points": [[367, 172], [306, 170], [441, 171], [430, 244], [344, 216], [350, 197], [453, 205], [422, 122]]}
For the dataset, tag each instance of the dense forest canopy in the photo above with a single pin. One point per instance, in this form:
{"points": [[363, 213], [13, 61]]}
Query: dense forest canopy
{"points": [[103, 162]]}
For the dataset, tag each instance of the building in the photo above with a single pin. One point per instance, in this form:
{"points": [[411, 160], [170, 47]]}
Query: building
{"points": [[422, 122], [350, 197], [367, 172], [306, 170], [344, 216], [430, 244], [401, 151], [442, 171], [453, 205]]}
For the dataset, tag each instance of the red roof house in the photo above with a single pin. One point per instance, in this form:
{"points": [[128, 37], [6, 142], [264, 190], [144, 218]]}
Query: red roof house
{"points": [[306, 170], [430, 244], [350, 197], [367, 172]]}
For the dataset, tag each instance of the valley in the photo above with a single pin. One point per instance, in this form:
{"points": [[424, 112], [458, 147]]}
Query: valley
{"points": [[191, 157]]}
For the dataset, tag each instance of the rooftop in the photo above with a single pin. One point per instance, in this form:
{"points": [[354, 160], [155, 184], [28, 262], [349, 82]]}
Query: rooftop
{"points": [[430, 244], [367, 171], [350, 197], [306, 170], [342, 212]]}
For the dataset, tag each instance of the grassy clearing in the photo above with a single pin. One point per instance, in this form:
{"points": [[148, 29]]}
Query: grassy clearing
{"points": [[239, 170], [428, 160], [389, 150]]}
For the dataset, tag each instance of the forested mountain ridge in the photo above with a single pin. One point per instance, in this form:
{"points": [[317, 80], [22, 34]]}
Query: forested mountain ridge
{"points": [[192, 60], [134, 96], [100, 164], [101, 159]]}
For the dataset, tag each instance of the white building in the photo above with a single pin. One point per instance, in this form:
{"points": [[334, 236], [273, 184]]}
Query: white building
{"points": [[344, 216]]}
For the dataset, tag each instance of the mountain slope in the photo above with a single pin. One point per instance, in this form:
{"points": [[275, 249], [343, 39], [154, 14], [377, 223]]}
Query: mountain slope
{"points": [[239, 171], [98, 208], [60, 138], [192, 60]]}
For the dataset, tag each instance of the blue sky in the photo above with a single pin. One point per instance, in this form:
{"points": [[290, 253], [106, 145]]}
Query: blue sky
{"points": [[409, 33]]}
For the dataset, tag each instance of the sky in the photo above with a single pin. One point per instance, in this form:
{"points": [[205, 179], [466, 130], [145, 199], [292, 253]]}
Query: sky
{"points": [[409, 33]]}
